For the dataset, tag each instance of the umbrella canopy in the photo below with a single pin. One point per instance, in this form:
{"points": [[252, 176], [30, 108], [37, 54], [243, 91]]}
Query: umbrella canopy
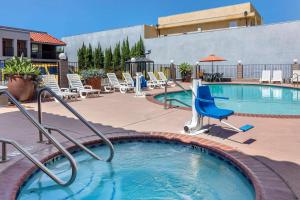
{"points": [[212, 58]]}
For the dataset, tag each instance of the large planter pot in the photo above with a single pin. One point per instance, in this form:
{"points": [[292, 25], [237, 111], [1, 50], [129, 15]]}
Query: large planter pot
{"points": [[21, 88], [95, 82], [186, 77]]}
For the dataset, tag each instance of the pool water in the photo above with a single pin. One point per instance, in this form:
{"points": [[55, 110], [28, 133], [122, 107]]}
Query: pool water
{"points": [[251, 99], [144, 170]]}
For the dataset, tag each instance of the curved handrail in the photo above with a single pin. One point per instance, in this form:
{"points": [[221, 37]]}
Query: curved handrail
{"points": [[34, 161], [81, 146], [84, 121], [179, 101], [50, 138], [172, 99]]}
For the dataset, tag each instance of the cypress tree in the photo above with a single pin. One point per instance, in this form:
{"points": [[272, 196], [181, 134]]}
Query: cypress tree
{"points": [[123, 54], [141, 48], [97, 57], [80, 56], [101, 57], [108, 58], [117, 57], [127, 49], [89, 57], [133, 51]]}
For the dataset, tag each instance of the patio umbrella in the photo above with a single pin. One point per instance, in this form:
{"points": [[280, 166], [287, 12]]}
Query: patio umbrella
{"points": [[212, 58]]}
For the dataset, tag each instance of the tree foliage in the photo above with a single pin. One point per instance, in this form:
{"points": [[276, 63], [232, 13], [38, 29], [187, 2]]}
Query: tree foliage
{"points": [[108, 58], [116, 58], [80, 56]]}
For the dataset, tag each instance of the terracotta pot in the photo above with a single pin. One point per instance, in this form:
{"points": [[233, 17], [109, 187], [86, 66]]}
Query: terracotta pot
{"points": [[186, 77], [95, 82], [21, 88]]}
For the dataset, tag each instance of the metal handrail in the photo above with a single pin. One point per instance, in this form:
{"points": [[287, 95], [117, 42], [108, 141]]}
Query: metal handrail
{"points": [[49, 137], [83, 120], [81, 146], [35, 161], [170, 100], [179, 101]]}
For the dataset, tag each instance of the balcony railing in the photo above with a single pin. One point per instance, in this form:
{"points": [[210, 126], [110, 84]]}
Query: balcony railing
{"points": [[44, 55], [22, 51], [8, 51]]}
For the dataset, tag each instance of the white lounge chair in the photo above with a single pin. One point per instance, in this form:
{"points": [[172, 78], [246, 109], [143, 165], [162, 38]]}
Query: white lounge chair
{"points": [[163, 77], [295, 76], [64, 93], [154, 82], [277, 76], [83, 90], [266, 92], [128, 79], [265, 76], [115, 84]]}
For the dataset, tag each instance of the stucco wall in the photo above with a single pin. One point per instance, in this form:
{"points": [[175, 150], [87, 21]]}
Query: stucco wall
{"points": [[277, 43], [14, 35], [274, 44], [106, 39]]}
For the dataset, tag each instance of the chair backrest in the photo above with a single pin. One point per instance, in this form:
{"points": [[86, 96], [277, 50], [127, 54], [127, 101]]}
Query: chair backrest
{"points": [[74, 81], [203, 92], [113, 80], [295, 74], [266, 75], [152, 76], [128, 78], [277, 75], [162, 76], [51, 82]]}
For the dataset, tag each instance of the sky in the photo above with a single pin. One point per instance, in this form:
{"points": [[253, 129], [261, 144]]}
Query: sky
{"points": [[72, 17]]}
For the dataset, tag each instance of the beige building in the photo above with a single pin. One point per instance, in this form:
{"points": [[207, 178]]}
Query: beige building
{"points": [[217, 18]]}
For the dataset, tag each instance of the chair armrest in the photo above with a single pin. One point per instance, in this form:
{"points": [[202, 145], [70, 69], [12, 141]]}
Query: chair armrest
{"points": [[225, 98], [88, 87], [205, 100], [64, 89], [124, 84], [73, 90]]}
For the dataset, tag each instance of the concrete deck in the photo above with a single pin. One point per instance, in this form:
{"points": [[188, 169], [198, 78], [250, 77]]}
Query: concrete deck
{"points": [[274, 142]]}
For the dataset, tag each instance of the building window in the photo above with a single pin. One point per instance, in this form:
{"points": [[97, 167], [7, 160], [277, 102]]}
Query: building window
{"points": [[22, 50], [35, 51], [7, 45], [233, 24]]}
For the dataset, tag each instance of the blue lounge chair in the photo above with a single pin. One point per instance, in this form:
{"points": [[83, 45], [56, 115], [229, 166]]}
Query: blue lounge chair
{"points": [[206, 107]]}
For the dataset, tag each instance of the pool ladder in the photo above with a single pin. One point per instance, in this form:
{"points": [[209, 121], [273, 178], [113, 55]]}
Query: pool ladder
{"points": [[170, 100], [46, 131]]}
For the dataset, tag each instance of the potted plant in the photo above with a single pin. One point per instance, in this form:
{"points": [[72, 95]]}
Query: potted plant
{"points": [[22, 77], [185, 70], [92, 77]]}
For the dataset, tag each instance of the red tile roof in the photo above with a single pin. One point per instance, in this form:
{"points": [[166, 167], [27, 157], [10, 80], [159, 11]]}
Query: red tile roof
{"points": [[45, 38]]}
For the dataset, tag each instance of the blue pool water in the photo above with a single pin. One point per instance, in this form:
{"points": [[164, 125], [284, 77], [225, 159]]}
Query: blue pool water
{"points": [[142, 170], [252, 99]]}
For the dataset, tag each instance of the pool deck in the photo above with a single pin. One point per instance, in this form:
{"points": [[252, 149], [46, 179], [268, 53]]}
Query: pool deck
{"points": [[274, 142]]}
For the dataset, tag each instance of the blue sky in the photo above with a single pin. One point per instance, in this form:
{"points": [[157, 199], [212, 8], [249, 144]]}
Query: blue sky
{"points": [[71, 17]]}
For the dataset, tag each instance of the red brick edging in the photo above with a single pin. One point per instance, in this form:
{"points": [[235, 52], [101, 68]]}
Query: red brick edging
{"points": [[267, 185]]}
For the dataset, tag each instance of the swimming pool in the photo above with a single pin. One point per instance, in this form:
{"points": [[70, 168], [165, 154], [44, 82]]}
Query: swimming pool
{"points": [[145, 170], [250, 99]]}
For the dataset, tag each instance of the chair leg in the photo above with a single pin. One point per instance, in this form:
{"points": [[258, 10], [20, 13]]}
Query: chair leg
{"points": [[230, 125]]}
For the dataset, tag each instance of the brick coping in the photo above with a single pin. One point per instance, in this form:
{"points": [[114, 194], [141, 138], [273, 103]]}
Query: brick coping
{"points": [[266, 183], [152, 99]]}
